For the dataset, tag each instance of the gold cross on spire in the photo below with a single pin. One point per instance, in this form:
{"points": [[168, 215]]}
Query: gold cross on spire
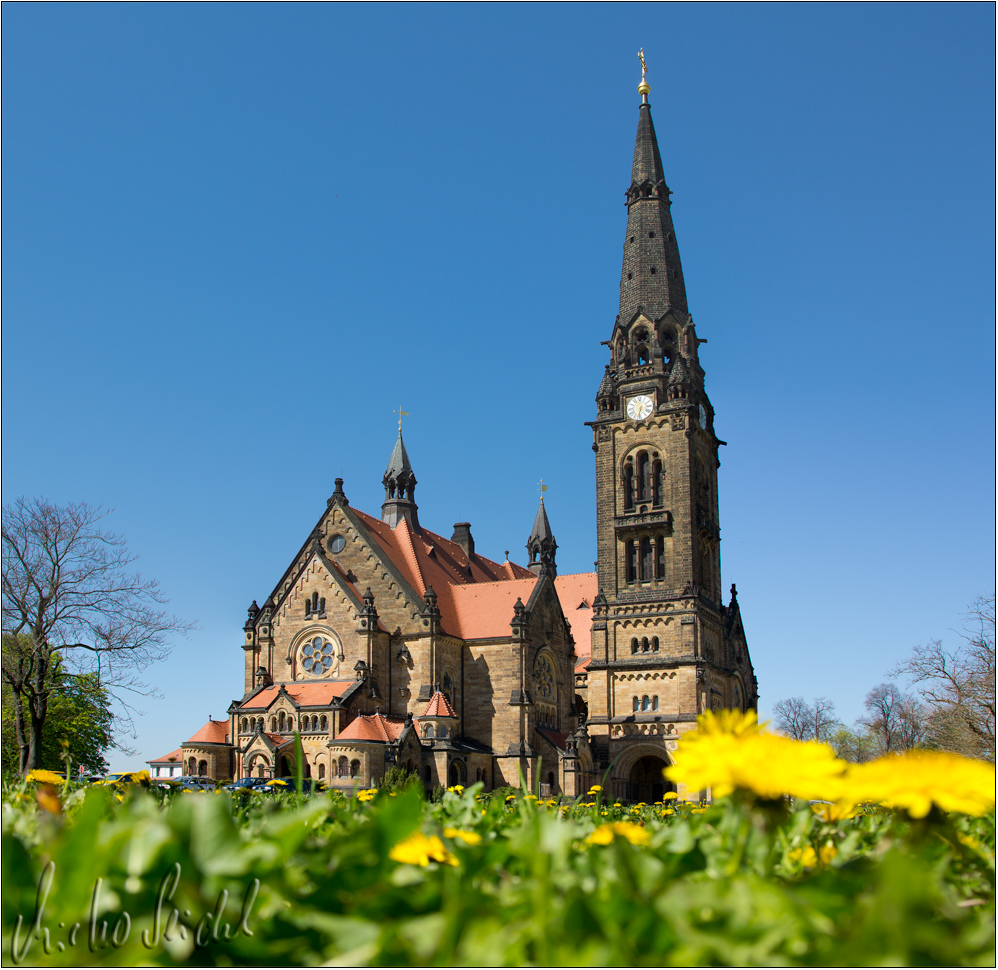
{"points": [[542, 488], [641, 57], [400, 413]]}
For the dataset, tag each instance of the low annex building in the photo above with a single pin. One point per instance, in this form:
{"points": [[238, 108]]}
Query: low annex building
{"points": [[386, 644]]}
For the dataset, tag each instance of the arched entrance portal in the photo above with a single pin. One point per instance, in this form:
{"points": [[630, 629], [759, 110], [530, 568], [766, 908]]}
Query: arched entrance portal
{"points": [[645, 783], [286, 767]]}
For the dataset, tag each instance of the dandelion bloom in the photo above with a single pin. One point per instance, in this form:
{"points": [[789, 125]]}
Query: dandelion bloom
{"points": [[630, 831], [595, 788], [920, 779], [471, 838], [807, 856], [669, 794], [421, 850], [48, 799], [456, 788], [366, 794], [46, 777], [728, 751]]}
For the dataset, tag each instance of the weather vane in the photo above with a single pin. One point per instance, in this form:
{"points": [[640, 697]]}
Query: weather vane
{"points": [[644, 88], [400, 413], [542, 488]]}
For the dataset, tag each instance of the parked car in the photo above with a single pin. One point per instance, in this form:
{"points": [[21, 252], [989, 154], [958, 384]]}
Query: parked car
{"points": [[241, 784], [123, 778], [195, 782], [308, 785]]}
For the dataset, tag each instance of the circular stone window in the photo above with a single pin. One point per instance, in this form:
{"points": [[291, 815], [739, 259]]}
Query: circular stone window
{"points": [[337, 544], [318, 656]]}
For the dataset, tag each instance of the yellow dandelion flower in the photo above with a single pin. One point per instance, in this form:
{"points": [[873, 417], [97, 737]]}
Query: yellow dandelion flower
{"points": [[421, 850], [670, 795], [669, 811], [595, 788], [727, 751], [48, 799], [366, 794], [917, 780], [511, 798], [605, 834], [456, 788], [46, 777], [808, 857], [471, 838], [837, 812], [805, 855]]}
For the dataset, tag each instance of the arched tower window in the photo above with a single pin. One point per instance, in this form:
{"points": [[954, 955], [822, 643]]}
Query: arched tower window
{"points": [[647, 559], [636, 706], [644, 477], [660, 557], [631, 555], [628, 485], [657, 483]]}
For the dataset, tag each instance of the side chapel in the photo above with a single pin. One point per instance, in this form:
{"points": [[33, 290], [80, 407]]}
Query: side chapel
{"points": [[384, 643]]}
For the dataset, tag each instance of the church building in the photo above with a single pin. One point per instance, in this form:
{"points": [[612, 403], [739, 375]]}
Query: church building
{"points": [[385, 644]]}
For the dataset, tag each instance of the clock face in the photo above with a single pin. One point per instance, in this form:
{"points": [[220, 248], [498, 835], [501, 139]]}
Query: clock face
{"points": [[703, 417], [639, 407]]}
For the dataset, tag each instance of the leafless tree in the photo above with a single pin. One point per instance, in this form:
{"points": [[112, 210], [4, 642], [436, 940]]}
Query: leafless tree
{"points": [[68, 592], [958, 685], [806, 722], [894, 718], [793, 717]]}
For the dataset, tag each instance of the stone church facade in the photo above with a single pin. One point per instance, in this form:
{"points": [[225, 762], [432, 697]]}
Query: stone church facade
{"points": [[385, 644]]}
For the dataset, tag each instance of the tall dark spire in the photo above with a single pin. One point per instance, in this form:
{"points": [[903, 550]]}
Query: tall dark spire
{"points": [[400, 488], [541, 544], [652, 276]]}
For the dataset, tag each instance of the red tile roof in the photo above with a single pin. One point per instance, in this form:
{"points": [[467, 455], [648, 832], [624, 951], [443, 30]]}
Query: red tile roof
{"points": [[277, 739], [576, 591], [214, 732], [439, 706], [557, 738], [427, 559], [172, 758], [484, 609], [373, 727], [305, 695]]}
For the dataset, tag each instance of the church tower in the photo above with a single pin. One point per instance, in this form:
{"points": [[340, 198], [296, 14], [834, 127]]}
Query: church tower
{"points": [[664, 645]]}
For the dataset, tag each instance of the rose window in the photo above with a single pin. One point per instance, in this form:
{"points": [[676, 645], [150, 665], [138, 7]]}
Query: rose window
{"points": [[544, 677], [318, 656]]}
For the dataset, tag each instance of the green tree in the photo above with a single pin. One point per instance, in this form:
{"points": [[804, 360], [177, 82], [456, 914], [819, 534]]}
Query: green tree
{"points": [[79, 726], [70, 598]]}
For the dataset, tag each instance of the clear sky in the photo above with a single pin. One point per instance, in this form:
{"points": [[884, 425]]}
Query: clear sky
{"points": [[236, 237]]}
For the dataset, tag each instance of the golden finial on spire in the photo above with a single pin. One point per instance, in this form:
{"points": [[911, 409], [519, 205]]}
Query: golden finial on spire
{"points": [[644, 88], [400, 413]]}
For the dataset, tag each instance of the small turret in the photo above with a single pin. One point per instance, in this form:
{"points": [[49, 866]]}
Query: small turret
{"points": [[400, 488], [541, 544]]}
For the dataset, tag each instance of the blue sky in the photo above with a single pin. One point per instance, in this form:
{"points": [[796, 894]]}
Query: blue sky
{"points": [[236, 237]]}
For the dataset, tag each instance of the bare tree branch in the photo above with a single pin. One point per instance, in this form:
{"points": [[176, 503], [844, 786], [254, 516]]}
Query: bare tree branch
{"points": [[68, 590]]}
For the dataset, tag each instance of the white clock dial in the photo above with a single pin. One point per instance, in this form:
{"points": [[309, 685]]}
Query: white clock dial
{"points": [[703, 417], [639, 407]]}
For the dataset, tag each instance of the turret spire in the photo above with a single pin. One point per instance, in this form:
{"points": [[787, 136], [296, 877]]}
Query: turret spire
{"points": [[652, 276], [541, 544], [400, 488]]}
